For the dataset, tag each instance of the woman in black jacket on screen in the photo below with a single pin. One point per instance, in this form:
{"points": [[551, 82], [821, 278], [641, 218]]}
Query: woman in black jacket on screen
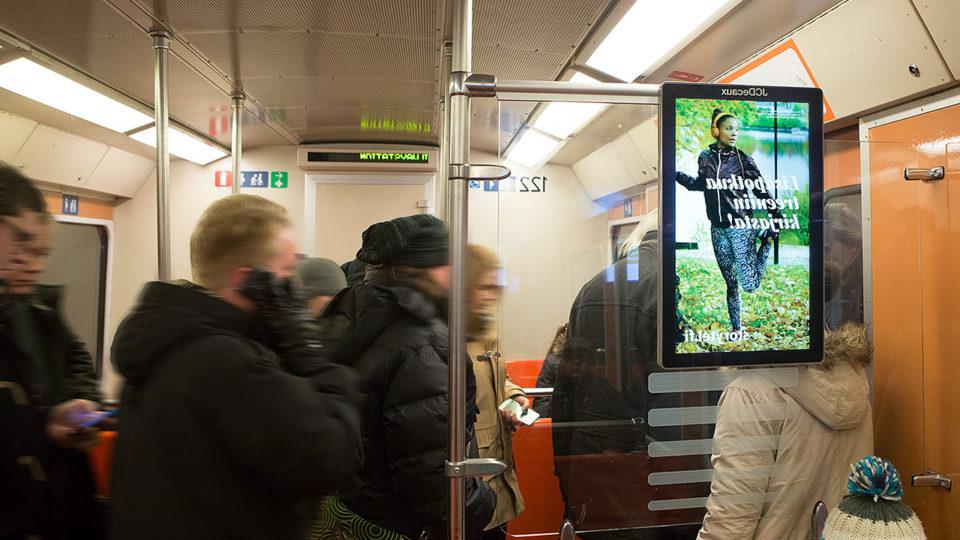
{"points": [[727, 177]]}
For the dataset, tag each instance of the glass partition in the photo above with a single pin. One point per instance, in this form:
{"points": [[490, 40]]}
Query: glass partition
{"points": [[623, 448]]}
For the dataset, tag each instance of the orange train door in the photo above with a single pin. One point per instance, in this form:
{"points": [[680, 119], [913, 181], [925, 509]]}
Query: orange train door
{"points": [[915, 241]]}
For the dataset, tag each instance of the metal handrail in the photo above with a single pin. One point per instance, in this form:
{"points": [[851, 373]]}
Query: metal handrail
{"points": [[538, 392]]}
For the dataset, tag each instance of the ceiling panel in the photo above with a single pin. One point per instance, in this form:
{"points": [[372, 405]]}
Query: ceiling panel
{"points": [[536, 25], [302, 54], [407, 18], [42, 20]]}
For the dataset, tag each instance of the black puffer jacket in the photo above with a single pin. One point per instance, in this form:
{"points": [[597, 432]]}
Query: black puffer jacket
{"points": [[615, 317], [394, 337], [731, 166], [46, 490], [216, 440]]}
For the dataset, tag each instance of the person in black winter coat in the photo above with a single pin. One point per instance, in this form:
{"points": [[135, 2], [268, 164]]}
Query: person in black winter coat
{"points": [[231, 416], [392, 329], [354, 271], [601, 397], [42, 474], [61, 369], [728, 176]]}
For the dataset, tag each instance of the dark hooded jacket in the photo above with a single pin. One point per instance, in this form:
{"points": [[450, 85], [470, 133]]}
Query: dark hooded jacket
{"points": [[396, 340], [217, 440], [354, 271], [48, 490], [728, 165]]}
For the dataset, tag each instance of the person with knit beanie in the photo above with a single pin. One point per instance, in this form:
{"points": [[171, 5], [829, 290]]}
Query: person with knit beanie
{"points": [[392, 330], [320, 280], [873, 508]]}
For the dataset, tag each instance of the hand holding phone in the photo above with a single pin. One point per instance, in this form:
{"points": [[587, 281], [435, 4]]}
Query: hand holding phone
{"points": [[95, 418], [513, 408]]}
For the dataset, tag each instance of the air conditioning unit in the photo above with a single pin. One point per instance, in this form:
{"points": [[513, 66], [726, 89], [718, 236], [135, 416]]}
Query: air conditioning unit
{"points": [[368, 158]]}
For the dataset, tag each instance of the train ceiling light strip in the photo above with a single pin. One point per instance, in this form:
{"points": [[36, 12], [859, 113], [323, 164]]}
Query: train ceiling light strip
{"points": [[562, 119], [533, 148], [31, 80], [182, 145], [651, 30]]}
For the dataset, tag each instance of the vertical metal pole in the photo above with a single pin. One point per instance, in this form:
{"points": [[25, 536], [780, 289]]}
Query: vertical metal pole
{"points": [[443, 171], [236, 140], [161, 46], [459, 155]]}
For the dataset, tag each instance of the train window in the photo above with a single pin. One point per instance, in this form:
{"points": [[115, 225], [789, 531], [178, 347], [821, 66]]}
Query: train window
{"points": [[79, 264], [843, 256]]}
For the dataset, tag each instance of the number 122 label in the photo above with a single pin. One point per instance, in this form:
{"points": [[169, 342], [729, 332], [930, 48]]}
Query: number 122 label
{"points": [[523, 184]]}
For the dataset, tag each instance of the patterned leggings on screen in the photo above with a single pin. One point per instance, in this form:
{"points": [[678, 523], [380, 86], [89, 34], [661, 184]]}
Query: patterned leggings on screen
{"points": [[741, 264]]}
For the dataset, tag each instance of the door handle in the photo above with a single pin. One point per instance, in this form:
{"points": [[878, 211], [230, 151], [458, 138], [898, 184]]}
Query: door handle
{"points": [[931, 479], [927, 175]]}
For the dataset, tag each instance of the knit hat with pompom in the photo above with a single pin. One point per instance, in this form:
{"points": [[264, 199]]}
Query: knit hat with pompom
{"points": [[872, 509]]}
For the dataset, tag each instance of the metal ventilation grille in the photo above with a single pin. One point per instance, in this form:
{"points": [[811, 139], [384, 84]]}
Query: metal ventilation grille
{"points": [[404, 18], [549, 26]]}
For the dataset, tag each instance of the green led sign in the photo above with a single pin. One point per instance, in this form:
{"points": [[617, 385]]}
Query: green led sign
{"points": [[368, 157]]}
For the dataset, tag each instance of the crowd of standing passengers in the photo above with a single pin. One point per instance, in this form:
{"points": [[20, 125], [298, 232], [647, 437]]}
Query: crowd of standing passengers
{"points": [[276, 402], [279, 398]]}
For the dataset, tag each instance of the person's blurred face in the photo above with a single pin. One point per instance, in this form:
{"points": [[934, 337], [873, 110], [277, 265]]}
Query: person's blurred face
{"points": [[317, 303], [16, 233], [23, 278], [483, 299], [441, 276]]}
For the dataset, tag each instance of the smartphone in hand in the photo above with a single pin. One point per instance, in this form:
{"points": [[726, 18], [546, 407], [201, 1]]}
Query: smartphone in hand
{"points": [[95, 418], [527, 417]]}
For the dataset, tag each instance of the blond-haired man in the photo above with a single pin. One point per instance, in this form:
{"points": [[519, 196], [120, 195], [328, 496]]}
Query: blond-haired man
{"points": [[230, 415]]}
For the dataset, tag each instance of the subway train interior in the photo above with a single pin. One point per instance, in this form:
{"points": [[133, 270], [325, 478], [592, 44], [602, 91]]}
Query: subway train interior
{"points": [[550, 132]]}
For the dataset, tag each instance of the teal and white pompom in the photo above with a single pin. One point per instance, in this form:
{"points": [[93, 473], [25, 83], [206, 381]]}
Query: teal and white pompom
{"points": [[877, 478]]}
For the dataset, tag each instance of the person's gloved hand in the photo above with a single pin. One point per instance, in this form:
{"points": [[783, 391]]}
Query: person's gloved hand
{"points": [[282, 313]]}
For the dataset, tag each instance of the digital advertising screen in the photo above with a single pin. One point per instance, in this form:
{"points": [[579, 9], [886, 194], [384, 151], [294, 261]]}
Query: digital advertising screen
{"points": [[741, 227]]}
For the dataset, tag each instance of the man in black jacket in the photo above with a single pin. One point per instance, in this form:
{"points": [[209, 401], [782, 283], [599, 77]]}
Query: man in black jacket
{"points": [[40, 469], [231, 416]]}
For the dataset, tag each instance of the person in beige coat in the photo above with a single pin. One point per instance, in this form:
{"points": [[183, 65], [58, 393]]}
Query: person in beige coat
{"points": [[783, 445], [494, 427]]}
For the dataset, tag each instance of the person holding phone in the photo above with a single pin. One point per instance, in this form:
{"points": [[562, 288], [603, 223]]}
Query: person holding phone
{"points": [[231, 416], [495, 423], [60, 369], [44, 477], [721, 168]]}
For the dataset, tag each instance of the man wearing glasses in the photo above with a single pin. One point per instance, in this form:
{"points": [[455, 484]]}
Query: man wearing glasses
{"points": [[35, 438]]}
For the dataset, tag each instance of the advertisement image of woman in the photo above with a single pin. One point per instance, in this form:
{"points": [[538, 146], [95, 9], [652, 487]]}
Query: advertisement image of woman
{"points": [[727, 177]]}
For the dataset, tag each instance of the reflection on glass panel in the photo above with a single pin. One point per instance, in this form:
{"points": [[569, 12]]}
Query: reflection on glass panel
{"points": [[625, 449], [843, 259]]}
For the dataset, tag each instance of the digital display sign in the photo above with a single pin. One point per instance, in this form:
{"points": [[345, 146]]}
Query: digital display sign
{"points": [[741, 225], [368, 157]]}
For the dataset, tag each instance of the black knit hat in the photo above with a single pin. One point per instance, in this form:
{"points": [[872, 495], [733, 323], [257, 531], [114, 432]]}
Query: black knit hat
{"points": [[419, 241]]}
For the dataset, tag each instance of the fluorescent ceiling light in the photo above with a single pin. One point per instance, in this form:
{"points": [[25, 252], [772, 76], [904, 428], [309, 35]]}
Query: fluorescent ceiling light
{"points": [[647, 32], [561, 119], [532, 149], [182, 145], [33, 81]]}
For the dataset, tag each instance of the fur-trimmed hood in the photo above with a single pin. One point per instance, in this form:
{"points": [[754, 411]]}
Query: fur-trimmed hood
{"points": [[849, 343]]}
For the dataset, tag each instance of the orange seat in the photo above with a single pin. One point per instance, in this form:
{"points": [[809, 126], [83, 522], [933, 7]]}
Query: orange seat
{"points": [[101, 459], [524, 372], [533, 456]]}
